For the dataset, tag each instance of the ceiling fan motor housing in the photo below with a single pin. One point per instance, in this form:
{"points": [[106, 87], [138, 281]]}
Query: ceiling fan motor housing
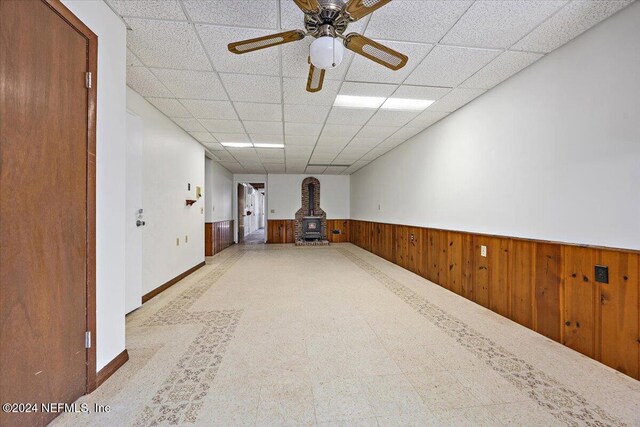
{"points": [[331, 14]]}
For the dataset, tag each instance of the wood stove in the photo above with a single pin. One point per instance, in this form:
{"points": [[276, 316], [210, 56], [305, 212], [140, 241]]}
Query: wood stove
{"points": [[312, 228]]}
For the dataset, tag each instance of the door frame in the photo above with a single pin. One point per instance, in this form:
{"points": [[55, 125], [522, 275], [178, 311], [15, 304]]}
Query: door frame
{"points": [[261, 180], [92, 92]]}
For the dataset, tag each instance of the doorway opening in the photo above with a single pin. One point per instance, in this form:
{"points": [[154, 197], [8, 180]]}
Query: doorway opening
{"points": [[251, 212]]}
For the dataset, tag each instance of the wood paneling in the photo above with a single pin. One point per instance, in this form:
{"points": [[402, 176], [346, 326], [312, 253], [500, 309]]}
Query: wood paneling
{"points": [[281, 231], [217, 236], [620, 344], [545, 286], [579, 300], [341, 225], [548, 284]]}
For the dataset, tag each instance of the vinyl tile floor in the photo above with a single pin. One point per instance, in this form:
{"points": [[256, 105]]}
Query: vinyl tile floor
{"points": [[278, 335]]}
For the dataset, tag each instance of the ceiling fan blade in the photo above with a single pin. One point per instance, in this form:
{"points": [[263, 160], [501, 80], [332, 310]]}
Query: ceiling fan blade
{"points": [[358, 9], [266, 41], [375, 51], [308, 6], [315, 79]]}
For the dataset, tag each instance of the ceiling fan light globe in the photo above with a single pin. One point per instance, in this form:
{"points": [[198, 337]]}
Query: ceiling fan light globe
{"points": [[326, 52]]}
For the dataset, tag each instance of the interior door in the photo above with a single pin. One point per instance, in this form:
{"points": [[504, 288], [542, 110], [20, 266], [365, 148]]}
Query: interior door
{"points": [[241, 209], [135, 214], [43, 208]]}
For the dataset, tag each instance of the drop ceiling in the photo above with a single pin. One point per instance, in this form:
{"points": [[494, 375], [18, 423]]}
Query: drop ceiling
{"points": [[177, 59]]}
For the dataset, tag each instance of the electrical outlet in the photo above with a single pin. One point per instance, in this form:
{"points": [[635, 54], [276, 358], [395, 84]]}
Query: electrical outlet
{"points": [[273, 211], [483, 251], [177, 241], [602, 274], [186, 239], [412, 237]]}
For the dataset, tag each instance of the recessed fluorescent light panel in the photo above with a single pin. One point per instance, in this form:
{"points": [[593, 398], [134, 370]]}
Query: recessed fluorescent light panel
{"points": [[406, 104], [266, 145], [237, 144], [351, 101], [251, 145]]}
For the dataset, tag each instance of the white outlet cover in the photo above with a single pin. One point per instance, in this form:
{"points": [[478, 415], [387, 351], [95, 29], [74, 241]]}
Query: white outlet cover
{"points": [[483, 251]]}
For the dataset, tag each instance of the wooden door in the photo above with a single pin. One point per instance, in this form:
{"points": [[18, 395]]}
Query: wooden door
{"points": [[47, 159]]}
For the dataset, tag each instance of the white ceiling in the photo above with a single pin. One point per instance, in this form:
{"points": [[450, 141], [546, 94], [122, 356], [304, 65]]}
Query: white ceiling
{"points": [[177, 59]]}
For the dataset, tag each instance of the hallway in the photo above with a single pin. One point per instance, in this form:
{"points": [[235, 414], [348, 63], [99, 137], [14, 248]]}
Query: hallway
{"points": [[255, 238], [338, 336]]}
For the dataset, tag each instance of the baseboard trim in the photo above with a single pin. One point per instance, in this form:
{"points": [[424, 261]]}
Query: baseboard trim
{"points": [[146, 297], [111, 367]]}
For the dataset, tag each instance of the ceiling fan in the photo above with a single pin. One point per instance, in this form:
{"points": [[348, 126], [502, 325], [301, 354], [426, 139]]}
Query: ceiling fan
{"points": [[327, 20]]}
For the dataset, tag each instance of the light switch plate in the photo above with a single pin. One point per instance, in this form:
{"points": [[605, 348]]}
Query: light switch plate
{"points": [[483, 251]]}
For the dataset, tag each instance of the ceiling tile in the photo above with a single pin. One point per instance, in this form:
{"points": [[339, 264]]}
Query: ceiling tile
{"points": [[420, 92], [426, 119], [166, 44], [344, 131], [365, 70], [306, 113], [296, 140], [132, 60], [571, 21], [202, 109], [455, 99], [271, 128], [163, 9], [332, 141], [222, 126], [407, 132], [216, 39], [233, 167], [350, 116], [295, 61], [449, 66], [145, 83], [295, 92], [415, 20], [315, 169], [275, 139], [170, 107], [190, 125], [303, 129], [270, 153], [367, 143], [334, 170], [262, 13], [391, 142], [322, 158], [224, 155], [392, 118], [274, 168], [376, 131], [192, 84], [231, 137], [221, 152], [367, 89], [249, 88], [501, 68], [256, 111], [203, 136], [499, 24]]}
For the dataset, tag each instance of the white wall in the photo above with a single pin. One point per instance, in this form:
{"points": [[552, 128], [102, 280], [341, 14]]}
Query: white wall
{"points": [[171, 160], [553, 153], [218, 192], [285, 197], [110, 179]]}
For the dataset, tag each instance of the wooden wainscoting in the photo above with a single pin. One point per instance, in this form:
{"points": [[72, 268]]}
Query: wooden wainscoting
{"points": [[548, 287], [217, 236], [338, 230], [281, 231]]}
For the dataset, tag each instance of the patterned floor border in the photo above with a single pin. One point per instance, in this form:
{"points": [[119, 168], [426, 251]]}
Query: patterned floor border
{"points": [[561, 402], [179, 399]]}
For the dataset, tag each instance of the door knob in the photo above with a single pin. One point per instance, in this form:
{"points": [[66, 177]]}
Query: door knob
{"points": [[139, 223]]}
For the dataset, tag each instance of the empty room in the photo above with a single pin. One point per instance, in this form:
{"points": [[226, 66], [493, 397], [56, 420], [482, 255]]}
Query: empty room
{"points": [[319, 213]]}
